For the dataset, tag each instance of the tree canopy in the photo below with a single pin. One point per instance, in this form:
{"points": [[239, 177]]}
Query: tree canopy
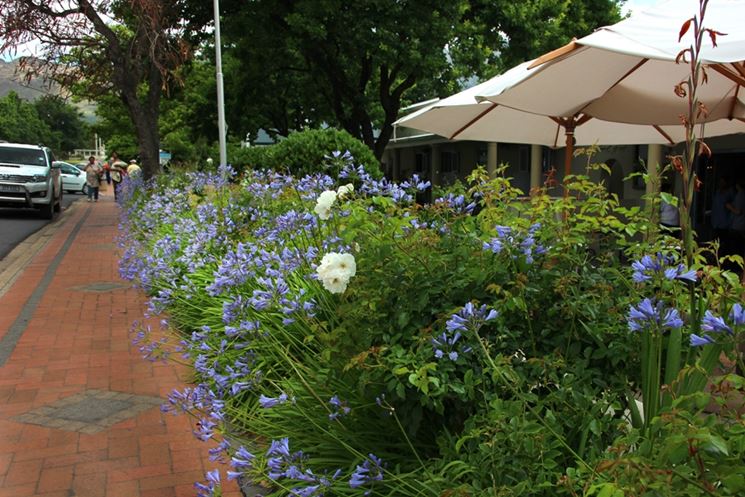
{"points": [[355, 64], [48, 120], [128, 48]]}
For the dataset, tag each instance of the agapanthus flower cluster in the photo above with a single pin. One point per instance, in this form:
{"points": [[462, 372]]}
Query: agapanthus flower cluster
{"points": [[241, 460], [400, 193], [714, 325], [456, 203], [339, 408], [468, 319], [335, 271], [367, 473], [648, 267], [281, 464], [213, 484], [510, 239], [269, 402], [651, 315]]}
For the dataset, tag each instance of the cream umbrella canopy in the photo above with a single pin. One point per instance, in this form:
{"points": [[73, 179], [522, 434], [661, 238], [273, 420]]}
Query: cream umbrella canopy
{"points": [[626, 73], [463, 117]]}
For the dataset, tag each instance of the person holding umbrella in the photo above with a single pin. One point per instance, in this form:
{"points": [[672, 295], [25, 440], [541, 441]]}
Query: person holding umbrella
{"points": [[118, 170]]}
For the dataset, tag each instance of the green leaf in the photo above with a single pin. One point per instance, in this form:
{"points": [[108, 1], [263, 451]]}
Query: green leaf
{"points": [[716, 445]]}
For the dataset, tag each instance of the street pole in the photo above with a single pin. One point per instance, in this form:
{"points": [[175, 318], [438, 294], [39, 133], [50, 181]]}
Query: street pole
{"points": [[220, 94]]}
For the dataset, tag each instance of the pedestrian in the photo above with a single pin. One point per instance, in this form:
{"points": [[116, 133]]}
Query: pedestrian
{"points": [[118, 170], [114, 158], [93, 178], [133, 170], [107, 171]]}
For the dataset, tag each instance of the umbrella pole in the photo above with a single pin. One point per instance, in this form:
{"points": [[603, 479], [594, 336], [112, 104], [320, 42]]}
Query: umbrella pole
{"points": [[569, 151]]}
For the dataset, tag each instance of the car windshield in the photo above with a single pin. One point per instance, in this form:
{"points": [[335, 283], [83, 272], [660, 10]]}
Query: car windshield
{"points": [[22, 156]]}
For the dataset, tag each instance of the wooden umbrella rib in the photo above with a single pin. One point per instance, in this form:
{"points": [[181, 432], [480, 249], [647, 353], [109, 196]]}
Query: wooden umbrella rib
{"points": [[665, 135], [555, 54], [467, 125], [579, 121], [727, 73], [739, 67]]}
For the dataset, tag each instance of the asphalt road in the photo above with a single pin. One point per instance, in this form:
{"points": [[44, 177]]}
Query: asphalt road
{"points": [[17, 224]]}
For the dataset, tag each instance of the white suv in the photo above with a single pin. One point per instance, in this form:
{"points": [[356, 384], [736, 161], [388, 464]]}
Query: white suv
{"points": [[29, 178]]}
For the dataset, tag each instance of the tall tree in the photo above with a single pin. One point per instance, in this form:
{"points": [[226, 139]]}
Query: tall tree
{"points": [[19, 121], [354, 64], [64, 121], [126, 47]]}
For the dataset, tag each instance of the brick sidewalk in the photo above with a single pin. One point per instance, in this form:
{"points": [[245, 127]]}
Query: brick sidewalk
{"points": [[79, 407]]}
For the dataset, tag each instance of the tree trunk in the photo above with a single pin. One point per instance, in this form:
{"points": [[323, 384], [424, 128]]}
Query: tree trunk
{"points": [[145, 120]]}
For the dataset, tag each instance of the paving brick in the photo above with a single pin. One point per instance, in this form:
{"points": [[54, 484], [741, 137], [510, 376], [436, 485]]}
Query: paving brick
{"points": [[55, 479], [90, 485], [123, 489], [77, 341], [22, 472]]}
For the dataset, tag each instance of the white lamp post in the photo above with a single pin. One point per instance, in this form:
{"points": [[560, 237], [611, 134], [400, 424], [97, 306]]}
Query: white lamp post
{"points": [[220, 94]]}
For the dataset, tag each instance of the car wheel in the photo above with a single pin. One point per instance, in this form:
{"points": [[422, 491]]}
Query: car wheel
{"points": [[47, 211], [84, 191], [58, 205]]}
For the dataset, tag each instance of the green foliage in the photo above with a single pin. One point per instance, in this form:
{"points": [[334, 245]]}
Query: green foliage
{"points": [[20, 122], [115, 127], [306, 152], [530, 400], [354, 65], [68, 131]]}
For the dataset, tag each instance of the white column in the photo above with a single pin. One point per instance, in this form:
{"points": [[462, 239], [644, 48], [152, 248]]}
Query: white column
{"points": [[536, 159], [654, 159], [491, 159]]}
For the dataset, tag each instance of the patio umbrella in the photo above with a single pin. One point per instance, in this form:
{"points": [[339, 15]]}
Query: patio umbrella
{"points": [[626, 73], [463, 117]]}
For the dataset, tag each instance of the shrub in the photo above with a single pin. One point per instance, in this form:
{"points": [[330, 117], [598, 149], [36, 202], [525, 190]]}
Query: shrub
{"points": [[308, 152], [355, 342]]}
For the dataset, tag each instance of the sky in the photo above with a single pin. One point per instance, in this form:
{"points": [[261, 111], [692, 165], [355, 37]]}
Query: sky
{"points": [[634, 5]]}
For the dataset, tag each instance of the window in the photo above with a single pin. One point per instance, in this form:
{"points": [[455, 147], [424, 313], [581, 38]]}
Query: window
{"points": [[421, 164], [23, 156], [449, 162]]}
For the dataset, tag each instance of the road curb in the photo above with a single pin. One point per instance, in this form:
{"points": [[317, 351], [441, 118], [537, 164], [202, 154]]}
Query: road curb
{"points": [[12, 266]]}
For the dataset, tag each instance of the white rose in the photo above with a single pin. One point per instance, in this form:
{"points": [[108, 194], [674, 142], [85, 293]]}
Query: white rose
{"points": [[335, 282], [323, 204], [333, 262], [345, 190], [335, 270]]}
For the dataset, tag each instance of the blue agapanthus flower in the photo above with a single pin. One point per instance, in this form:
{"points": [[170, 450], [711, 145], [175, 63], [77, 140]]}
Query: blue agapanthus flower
{"points": [[651, 315], [647, 267], [468, 320], [213, 483], [367, 473], [712, 323]]}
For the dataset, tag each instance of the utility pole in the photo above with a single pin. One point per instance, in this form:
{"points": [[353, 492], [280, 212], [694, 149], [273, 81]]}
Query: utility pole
{"points": [[220, 94]]}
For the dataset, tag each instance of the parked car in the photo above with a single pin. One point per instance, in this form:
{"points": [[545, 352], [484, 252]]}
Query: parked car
{"points": [[29, 178], [73, 179]]}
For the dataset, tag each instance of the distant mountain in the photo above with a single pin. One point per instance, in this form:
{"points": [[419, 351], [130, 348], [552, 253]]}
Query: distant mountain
{"points": [[12, 80]]}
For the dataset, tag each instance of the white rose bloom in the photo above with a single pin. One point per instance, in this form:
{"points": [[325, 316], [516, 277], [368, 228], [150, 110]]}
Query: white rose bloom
{"points": [[335, 270], [335, 282], [345, 190], [324, 203], [323, 211]]}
